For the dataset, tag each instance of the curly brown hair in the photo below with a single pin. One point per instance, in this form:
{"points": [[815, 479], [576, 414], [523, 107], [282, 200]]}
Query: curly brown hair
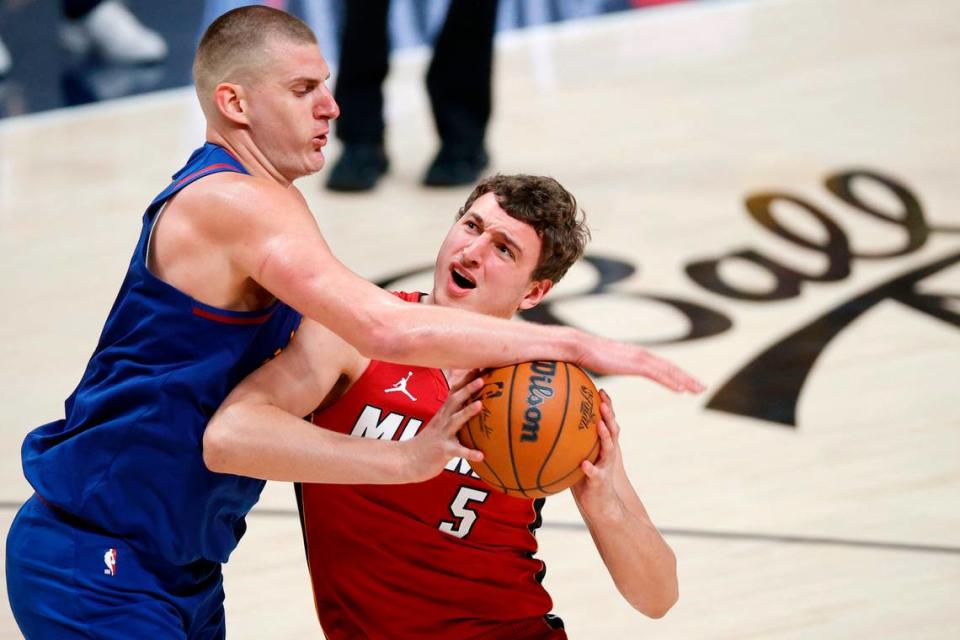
{"points": [[551, 210]]}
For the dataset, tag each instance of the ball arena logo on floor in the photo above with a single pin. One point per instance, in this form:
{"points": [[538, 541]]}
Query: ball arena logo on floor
{"points": [[768, 386]]}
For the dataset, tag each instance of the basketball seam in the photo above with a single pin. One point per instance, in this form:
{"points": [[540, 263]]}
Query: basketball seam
{"points": [[563, 421], [575, 469], [560, 479]]}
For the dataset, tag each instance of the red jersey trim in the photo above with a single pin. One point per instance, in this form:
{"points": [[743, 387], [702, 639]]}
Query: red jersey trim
{"points": [[208, 169], [406, 296], [227, 319]]}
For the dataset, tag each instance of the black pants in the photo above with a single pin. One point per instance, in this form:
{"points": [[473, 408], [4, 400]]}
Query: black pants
{"points": [[74, 9], [458, 80]]}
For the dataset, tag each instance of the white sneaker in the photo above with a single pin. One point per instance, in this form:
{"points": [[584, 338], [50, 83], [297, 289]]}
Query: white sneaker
{"points": [[115, 33], [5, 61]]}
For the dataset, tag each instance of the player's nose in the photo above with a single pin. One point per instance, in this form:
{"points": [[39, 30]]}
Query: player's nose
{"points": [[326, 106], [471, 253]]}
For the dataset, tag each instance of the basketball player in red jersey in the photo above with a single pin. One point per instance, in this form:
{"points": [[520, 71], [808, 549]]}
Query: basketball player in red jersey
{"points": [[448, 557]]}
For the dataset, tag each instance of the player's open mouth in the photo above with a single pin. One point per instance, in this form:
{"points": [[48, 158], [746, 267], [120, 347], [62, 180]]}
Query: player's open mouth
{"points": [[461, 280], [319, 141]]}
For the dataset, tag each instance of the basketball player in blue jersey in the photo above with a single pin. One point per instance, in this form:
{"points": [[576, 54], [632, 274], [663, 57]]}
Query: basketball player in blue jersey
{"points": [[127, 530]]}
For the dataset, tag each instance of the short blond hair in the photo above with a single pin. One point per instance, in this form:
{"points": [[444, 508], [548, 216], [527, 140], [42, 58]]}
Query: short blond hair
{"points": [[237, 41]]}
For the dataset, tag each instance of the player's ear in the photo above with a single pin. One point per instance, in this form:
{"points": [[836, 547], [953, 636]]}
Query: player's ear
{"points": [[231, 102], [535, 293]]}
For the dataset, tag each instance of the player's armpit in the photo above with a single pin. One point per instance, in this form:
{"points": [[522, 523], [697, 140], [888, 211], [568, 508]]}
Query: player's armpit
{"points": [[302, 375], [246, 434]]}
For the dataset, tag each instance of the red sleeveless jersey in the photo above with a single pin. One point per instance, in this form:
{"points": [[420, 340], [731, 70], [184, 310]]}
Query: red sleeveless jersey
{"points": [[445, 558]]}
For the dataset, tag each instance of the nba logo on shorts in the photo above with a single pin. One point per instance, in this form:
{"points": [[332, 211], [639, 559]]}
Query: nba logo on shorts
{"points": [[110, 559]]}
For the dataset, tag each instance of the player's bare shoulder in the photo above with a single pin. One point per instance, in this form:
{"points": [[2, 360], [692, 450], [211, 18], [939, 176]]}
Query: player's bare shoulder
{"points": [[228, 203], [215, 234]]}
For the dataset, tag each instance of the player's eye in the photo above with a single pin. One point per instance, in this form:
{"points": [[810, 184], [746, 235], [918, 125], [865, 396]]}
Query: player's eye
{"points": [[505, 250]]}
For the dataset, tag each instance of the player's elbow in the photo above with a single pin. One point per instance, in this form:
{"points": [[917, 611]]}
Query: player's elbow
{"points": [[658, 607], [378, 342], [217, 443], [383, 338], [657, 600]]}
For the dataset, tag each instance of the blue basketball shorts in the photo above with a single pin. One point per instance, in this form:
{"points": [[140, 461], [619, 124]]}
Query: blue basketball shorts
{"points": [[67, 580]]}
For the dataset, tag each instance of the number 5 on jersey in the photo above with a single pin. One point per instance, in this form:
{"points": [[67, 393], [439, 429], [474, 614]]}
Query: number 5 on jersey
{"points": [[464, 516]]}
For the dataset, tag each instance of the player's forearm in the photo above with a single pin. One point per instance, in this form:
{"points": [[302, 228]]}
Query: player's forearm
{"points": [[641, 563], [265, 442], [430, 335], [382, 327]]}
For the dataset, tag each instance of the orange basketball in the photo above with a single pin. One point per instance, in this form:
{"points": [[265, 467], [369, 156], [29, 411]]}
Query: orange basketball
{"points": [[538, 423]]}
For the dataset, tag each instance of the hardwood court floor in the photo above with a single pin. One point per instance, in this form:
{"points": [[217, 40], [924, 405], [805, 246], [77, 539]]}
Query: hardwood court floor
{"points": [[812, 496]]}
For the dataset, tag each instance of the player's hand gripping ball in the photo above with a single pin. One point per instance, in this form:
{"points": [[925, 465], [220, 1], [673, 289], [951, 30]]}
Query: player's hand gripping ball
{"points": [[538, 423]]}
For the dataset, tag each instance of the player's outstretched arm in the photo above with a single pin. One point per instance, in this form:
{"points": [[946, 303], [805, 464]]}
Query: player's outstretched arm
{"points": [[275, 239], [641, 563], [258, 431]]}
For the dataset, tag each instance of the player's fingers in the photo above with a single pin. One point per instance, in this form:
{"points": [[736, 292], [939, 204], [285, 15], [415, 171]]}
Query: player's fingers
{"points": [[589, 469], [684, 380], [461, 379], [458, 419], [459, 398], [606, 442], [688, 383], [470, 455], [467, 390], [610, 420], [658, 375], [670, 375], [605, 400], [603, 431]]}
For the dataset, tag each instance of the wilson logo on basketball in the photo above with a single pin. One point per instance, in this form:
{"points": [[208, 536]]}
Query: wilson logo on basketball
{"points": [[539, 389]]}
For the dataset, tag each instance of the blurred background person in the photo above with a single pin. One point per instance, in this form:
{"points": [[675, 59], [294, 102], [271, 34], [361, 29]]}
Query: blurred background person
{"points": [[108, 28], [104, 27], [5, 62], [458, 82]]}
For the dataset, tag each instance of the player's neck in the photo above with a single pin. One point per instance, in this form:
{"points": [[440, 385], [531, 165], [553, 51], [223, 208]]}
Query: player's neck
{"points": [[247, 153]]}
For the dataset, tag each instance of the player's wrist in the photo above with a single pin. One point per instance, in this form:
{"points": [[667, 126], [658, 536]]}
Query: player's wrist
{"points": [[607, 512], [404, 462], [411, 465], [571, 345], [577, 346]]}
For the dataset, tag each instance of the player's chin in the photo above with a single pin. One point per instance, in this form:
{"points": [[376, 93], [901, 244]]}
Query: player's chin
{"points": [[315, 162], [465, 304]]}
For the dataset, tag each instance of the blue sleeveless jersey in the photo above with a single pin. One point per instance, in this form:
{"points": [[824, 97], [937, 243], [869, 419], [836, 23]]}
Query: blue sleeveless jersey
{"points": [[128, 457]]}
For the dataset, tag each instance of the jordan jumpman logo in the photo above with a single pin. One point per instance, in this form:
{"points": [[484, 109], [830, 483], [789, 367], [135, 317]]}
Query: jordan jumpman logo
{"points": [[401, 386]]}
